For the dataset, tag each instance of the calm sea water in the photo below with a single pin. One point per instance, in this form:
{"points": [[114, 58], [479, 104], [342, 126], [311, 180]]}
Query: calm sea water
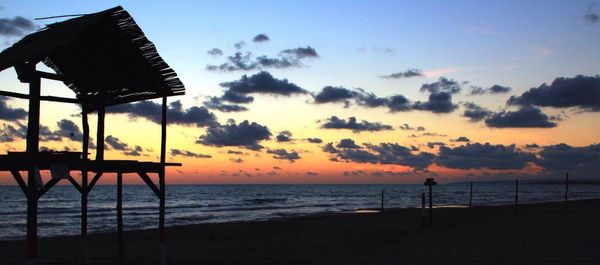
{"points": [[59, 209]]}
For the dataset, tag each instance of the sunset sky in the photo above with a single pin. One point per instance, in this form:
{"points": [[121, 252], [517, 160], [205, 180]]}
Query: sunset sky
{"points": [[345, 91]]}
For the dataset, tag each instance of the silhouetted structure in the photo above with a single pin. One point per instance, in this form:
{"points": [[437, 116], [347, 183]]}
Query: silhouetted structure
{"points": [[106, 60], [429, 182]]}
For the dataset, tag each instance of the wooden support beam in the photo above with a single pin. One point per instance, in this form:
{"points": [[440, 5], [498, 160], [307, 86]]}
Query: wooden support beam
{"points": [[100, 134], [43, 98], [51, 76], [47, 187], [19, 180], [121, 251], [161, 181], [75, 184], [93, 182], [149, 182], [33, 137]]}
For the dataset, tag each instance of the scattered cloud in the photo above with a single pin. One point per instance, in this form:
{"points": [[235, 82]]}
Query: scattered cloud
{"points": [[442, 85], [186, 153], [246, 61], [284, 136], [478, 156], [216, 52], [524, 117], [474, 112], [383, 153], [578, 161], [246, 134], [198, 116], [495, 89], [347, 143], [16, 27], [260, 83], [216, 103], [292, 156], [115, 143], [336, 123], [439, 102], [260, 38], [9, 113], [461, 139], [314, 140], [406, 74], [406, 127], [582, 92]]}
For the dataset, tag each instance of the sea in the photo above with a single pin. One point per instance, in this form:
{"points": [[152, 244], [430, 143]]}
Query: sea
{"points": [[59, 209]]}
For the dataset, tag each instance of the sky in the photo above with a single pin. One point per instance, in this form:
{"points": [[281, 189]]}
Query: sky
{"points": [[344, 91]]}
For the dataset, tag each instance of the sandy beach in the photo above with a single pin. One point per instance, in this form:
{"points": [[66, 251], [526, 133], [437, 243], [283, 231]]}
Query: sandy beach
{"points": [[538, 234]]}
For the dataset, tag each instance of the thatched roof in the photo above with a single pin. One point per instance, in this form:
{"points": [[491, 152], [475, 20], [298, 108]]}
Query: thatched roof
{"points": [[105, 58]]}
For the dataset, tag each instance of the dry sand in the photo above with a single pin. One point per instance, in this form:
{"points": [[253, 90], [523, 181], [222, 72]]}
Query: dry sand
{"points": [[538, 234]]}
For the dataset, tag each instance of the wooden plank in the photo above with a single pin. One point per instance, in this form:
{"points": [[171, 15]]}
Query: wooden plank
{"points": [[32, 147], [75, 184], [43, 98], [19, 180], [120, 217], [51, 76], [93, 182], [47, 187], [149, 182]]}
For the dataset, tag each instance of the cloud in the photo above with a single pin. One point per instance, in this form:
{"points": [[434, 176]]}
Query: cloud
{"points": [[287, 58], [406, 74], [239, 45], [215, 52], [434, 144], [398, 103], [8, 133], [461, 139], [245, 134], [284, 136], [284, 154], [336, 123], [262, 83], [314, 140], [524, 117], [16, 27], [383, 153], [581, 162], [439, 102], [474, 112], [10, 114], [442, 85], [334, 94], [311, 173], [591, 16], [198, 116], [186, 153], [216, 103], [406, 127], [478, 156], [260, 38], [580, 91], [115, 143], [495, 89], [347, 143]]}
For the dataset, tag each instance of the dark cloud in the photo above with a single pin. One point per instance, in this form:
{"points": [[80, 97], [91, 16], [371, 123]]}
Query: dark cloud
{"points": [[406, 127], [334, 94], [474, 112], [434, 144], [284, 154], [215, 52], [581, 162], [461, 139], [406, 74], [15, 27], [524, 117], [477, 156], [495, 89], [581, 91], [245, 134], [216, 103], [233, 152], [199, 116], [336, 123], [10, 114], [261, 38], [263, 83], [115, 143], [314, 140], [301, 52], [591, 16], [68, 129], [284, 136], [239, 45], [8, 133], [247, 62], [347, 143], [384, 153], [439, 102], [398, 103], [442, 85], [186, 153], [236, 160], [532, 146], [311, 173], [433, 134]]}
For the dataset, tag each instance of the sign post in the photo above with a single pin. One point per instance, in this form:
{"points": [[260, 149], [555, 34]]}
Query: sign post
{"points": [[430, 183]]}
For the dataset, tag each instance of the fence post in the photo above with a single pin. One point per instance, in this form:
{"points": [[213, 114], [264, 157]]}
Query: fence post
{"points": [[566, 190], [423, 222], [381, 201], [516, 196], [471, 197]]}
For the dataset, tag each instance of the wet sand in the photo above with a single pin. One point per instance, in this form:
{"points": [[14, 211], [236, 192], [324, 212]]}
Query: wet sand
{"points": [[538, 234]]}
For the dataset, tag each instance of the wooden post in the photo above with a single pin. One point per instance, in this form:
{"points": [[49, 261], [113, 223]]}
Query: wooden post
{"points": [[516, 196], [423, 222], [566, 190], [84, 179], [430, 205], [381, 201], [161, 180], [33, 136], [100, 134], [471, 196], [120, 216]]}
